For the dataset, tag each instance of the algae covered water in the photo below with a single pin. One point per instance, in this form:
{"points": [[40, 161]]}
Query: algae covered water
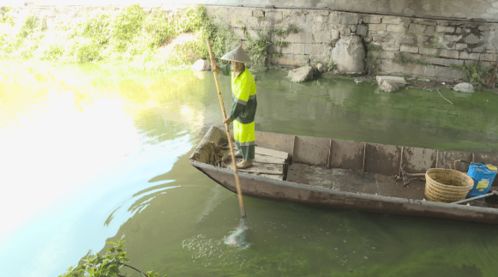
{"points": [[95, 153]]}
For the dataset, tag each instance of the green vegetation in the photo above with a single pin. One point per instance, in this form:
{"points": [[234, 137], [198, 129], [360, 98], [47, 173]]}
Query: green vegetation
{"points": [[31, 24], [479, 75], [53, 53], [267, 44], [5, 17], [373, 58], [111, 263], [158, 27], [145, 38], [126, 26], [331, 66], [142, 37]]}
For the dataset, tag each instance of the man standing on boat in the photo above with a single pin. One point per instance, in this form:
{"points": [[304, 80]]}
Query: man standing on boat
{"points": [[243, 105]]}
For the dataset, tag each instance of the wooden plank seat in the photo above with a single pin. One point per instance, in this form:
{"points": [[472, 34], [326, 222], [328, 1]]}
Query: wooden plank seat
{"points": [[267, 162]]}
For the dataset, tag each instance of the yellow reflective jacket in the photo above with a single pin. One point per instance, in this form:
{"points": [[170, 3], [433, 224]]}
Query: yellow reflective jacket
{"points": [[244, 97]]}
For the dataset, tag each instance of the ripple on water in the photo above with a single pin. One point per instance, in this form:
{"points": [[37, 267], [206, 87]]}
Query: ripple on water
{"points": [[238, 237], [208, 251]]}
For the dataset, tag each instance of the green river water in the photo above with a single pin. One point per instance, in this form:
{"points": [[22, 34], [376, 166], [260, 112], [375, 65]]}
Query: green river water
{"points": [[91, 153]]}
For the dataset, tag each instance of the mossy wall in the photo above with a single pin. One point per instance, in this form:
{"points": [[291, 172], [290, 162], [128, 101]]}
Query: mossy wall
{"points": [[398, 45]]}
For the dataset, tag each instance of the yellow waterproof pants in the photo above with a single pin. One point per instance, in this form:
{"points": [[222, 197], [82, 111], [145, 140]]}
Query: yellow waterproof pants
{"points": [[245, 138]]}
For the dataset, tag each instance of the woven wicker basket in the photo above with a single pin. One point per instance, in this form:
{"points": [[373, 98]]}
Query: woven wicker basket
{"points": [[446, 185]]}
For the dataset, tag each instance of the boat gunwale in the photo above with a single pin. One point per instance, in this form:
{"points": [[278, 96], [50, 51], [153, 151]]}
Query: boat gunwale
{"points": [[355, 195], [362, 156]]}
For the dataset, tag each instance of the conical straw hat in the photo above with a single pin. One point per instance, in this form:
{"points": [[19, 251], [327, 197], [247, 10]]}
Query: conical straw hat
{"points": [[238, 54]]}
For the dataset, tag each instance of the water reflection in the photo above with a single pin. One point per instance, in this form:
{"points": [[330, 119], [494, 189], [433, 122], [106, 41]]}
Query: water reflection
{"points": [[339, 108], [97, 152], [73, 159]]}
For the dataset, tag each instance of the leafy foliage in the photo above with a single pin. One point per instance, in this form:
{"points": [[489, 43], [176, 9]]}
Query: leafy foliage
{"points": [[26, 41], [5, 16], [479, 75], [126, 26], [132, 34], [53, 53], [110, 263], [190, 20], [473, 73], [97, 29], [221, 38], [188, 52], [196, 20], [87, 51], [30, 25], [267, 44], [158, 27]]}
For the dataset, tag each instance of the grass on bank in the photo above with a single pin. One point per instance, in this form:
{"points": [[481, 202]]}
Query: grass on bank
{"points": [[132, 35]]}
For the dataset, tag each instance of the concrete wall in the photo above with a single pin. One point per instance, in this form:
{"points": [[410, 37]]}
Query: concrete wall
{"points": [[464, 9], [400, 45]]}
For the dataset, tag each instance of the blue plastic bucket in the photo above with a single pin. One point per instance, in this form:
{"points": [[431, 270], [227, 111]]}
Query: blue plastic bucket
{"points": [[483, 176]]}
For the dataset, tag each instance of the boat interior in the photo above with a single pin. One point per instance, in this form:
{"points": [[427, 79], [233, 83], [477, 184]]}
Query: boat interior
{"points": [[347, 166]]}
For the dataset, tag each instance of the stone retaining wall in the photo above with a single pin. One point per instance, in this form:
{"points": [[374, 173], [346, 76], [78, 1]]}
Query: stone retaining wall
{"points": [[436, 49], [396, 45]]}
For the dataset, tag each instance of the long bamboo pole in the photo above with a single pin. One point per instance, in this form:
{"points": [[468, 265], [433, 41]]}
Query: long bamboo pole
{"points": [[230, 144]]}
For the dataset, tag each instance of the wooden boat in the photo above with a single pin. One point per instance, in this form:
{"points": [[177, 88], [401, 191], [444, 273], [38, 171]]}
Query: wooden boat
{"points": [[338, 173]]}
